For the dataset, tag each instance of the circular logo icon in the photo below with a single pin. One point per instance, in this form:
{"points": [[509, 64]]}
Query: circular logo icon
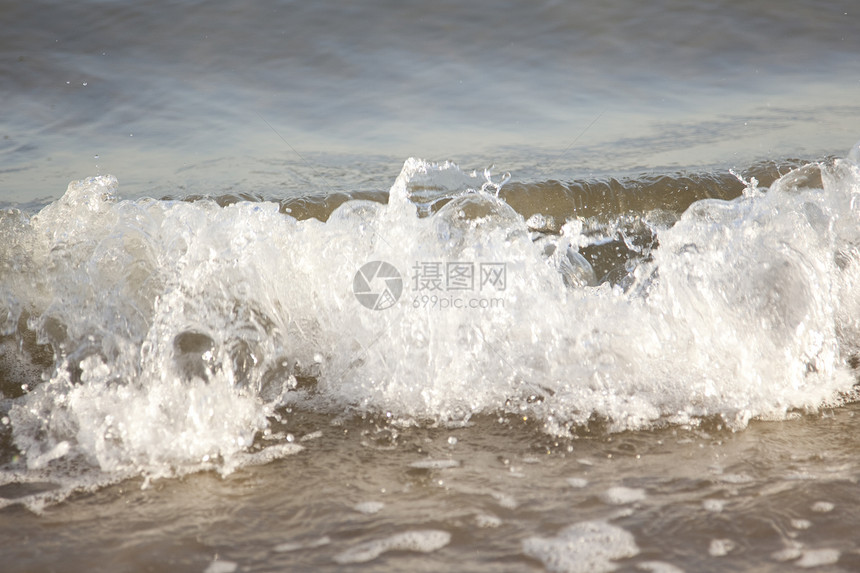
{"points": [[377, 285]]}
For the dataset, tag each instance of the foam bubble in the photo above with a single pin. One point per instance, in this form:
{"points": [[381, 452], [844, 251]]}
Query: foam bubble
{"points": [[220, 566], [721, 547], [787, 554], [421, 541], [658, 567], [260, 457], [589, 546], [505, 500], [736, 478], [714, 505], [290, 546], [311, 436], [485, 520], [369, 507], [577, 482], [435, 464], [818, 557], [622, 495], [822, 507]]}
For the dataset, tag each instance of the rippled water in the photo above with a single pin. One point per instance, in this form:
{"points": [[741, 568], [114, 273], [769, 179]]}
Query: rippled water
{"points": [[257, 332], [776, 494]]}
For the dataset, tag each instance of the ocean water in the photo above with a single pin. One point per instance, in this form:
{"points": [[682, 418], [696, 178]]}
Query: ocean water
{"points": [[510, 286]]}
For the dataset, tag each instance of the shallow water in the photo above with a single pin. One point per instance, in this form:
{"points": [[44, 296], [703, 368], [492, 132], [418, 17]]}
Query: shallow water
{"points": [[778, 493], [274, 339]]}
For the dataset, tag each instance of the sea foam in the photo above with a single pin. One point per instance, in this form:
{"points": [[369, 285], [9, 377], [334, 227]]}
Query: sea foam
{"points": [[180, 329]]}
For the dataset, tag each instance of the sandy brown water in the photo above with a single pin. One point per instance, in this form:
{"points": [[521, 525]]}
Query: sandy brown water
{"points": [[776, 495]]}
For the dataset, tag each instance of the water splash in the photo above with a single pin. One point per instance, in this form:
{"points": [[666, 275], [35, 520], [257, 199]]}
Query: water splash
{"points": [[180, 330]]}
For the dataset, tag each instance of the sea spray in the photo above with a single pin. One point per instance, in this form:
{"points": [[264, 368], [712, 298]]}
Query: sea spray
{"points": [[180, 330]]}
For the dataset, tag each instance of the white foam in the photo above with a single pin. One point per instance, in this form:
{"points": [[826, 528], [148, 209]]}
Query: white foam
{"points": [[264, 456], [577, 482], [622, 495], [589, 546], [369, 507], [714, 505], [787, 554], [290, 546], [39, 461], [485, 520], [132, 278], [706, 289], [721, 547], [658, 567], [311, 436], [818, 557], [220, 566], [736, 478], [435, 464], [505, 500], [185, 325], [823, 507], [421, 541]]}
